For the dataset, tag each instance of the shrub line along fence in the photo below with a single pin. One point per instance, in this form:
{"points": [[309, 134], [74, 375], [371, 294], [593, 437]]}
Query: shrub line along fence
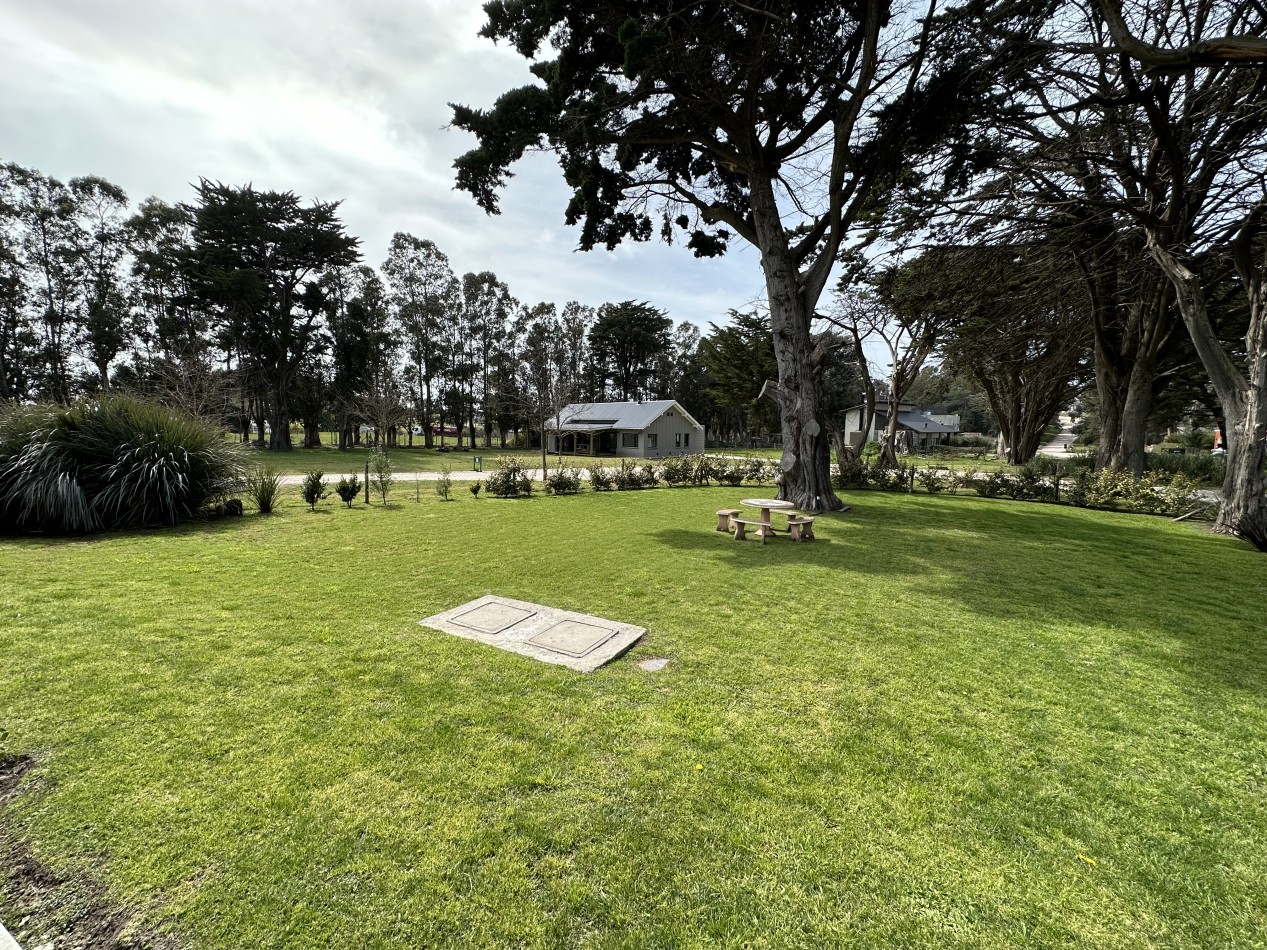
{"points": [[1157, 493]]}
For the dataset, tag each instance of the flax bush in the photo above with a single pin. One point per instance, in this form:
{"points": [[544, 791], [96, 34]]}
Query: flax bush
{"points": [[111, 463]]}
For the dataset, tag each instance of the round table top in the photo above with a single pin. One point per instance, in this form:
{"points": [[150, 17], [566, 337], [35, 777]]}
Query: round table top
{"points": [[766, 503]]}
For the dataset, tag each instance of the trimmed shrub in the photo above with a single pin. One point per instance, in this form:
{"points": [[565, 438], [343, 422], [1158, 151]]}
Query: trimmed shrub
{"points": [[601, 478], [631, 476], [1205, 468], [565, 480], [444, 483], [116, 462], [314, 488], [475, 489], [991, 484], [348, 488], [510, 480], [682, 469]]}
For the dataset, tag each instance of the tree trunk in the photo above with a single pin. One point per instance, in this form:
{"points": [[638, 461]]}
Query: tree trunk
{"points": [[1128, 455], [279, 439], [1112, 398], [888, 441], [427, 440], [806, 461], [1243, 512], [312, 435]]}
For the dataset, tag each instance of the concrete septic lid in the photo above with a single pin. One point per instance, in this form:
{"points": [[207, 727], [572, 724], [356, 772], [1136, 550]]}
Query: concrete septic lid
{"points": [[573, 637], [492, 617], [578, 641]]}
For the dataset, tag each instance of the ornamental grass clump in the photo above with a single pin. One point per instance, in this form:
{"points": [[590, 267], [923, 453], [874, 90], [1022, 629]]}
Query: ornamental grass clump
{"points": [[117, 462], [264, 486]]}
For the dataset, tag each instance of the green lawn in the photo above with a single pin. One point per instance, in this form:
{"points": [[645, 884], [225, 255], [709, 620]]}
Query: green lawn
{"points": [[950, 722]]}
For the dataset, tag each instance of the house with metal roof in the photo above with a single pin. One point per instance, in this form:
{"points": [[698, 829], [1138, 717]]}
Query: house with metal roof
{"points": [[625, 429], [922, 427]]}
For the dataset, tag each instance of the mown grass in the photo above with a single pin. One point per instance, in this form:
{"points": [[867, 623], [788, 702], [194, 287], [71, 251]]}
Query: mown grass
{"points": [[949, 722]]}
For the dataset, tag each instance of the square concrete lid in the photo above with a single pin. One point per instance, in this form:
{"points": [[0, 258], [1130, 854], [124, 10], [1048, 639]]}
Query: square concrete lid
{"points": [[581, 642], [492, 617], [573, 637]]}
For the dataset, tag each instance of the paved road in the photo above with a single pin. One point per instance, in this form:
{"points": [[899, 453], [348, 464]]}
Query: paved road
{"points": [[1060, 444]]}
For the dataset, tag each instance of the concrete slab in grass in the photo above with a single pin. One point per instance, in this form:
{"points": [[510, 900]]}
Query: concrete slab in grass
{"points": [[578, 641]]}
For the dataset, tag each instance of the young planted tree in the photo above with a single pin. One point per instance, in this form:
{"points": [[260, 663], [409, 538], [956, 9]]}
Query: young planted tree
{"points": [[774, 120]]}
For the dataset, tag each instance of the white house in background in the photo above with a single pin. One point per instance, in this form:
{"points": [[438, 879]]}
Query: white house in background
{"points": [[922, 427], [644, 430]]}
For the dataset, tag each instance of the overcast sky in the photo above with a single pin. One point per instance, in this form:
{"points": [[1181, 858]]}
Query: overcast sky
{"points": [[330, 99]]}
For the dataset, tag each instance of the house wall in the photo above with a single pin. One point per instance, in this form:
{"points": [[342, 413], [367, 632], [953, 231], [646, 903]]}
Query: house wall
{"points": [[667, 429]]}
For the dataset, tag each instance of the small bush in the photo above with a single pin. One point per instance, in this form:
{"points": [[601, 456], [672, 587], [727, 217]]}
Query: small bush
{"points": [[381, 478], [510, 480], [314, 488], [264, 487], [475, 489], [564, 480], [348, 488], [444, 482], [680, 469], [991, 484], [631, 476], [932, 482], [854, 474], [601, 478]]}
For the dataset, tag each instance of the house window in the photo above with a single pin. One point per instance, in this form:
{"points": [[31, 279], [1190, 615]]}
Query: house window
{"points": [[687, 440], [652, 439], [678, 441], [629, 440]]}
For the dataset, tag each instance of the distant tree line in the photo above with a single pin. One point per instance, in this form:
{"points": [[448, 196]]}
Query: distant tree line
{"points": [[257, 308]]}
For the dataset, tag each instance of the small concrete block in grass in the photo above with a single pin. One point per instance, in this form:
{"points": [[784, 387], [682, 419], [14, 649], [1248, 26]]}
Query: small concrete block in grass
{"points": [[653, 664], [577, 641]]}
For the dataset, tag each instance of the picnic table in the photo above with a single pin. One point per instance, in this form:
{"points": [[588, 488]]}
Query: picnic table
{"points": [[766, 505]]}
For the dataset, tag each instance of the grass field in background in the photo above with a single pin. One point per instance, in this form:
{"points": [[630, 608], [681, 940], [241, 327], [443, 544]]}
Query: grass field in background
{"points": [[949, 722]]}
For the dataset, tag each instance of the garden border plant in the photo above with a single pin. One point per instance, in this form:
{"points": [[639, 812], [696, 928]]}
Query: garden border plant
{"points": [[115, 462]]}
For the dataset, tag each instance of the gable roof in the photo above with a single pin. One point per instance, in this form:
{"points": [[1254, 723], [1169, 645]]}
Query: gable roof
{"points": [[917, 422], [600, 416]]}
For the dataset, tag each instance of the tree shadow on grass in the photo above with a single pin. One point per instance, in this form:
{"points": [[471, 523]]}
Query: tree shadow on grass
{"points": [[1192, 599]]}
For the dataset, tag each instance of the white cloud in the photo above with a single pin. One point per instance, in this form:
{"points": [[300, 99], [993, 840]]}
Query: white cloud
{"points": [[328, 99]]}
